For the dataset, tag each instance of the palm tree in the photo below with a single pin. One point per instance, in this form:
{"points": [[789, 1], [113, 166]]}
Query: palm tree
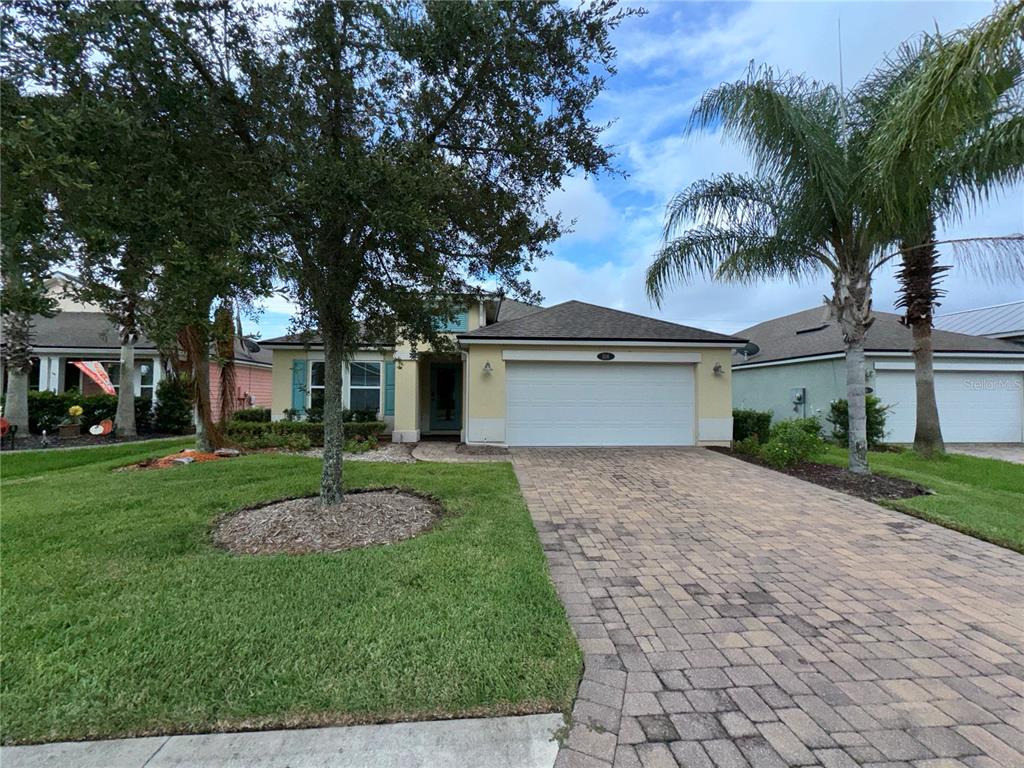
{"points": [[805, 212], [948, 130]]}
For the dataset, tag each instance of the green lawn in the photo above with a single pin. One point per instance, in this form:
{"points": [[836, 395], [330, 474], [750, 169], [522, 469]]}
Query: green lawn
{"points": [[981, 497], [120, 618]]}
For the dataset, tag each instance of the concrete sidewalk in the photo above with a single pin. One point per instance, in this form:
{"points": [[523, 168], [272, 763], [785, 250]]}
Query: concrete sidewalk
{"points": [[500, 742]]}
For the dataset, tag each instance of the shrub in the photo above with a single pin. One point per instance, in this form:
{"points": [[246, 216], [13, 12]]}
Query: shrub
{"points": [[811, 425], [254, 441], [251, 414], [747, 423], [46, 410], [791, 443], [360, 444], [839, 418], [750, 446], [314, 431], [355, 415], [173, 412]]}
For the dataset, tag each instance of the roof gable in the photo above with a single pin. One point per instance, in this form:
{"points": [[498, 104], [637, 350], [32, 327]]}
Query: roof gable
{"points": [[579, 321]]}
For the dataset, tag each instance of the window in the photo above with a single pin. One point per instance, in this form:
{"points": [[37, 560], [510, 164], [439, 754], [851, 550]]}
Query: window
{"points": [[364, 386], [456, 324], [316, 385]]}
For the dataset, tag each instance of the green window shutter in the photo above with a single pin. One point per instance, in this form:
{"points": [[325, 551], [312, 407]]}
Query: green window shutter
{"points": [[389, 389], [457, 324], [299, 385]]}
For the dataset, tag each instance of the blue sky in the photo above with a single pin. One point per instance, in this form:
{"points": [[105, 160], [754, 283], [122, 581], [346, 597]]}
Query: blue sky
{"points": [[666, 60]]}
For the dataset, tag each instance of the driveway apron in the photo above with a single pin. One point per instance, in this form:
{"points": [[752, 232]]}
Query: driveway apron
{"points": [[731, 616]]}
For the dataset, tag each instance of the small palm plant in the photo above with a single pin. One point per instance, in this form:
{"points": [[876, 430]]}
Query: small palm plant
{"points": [[805, 212]]}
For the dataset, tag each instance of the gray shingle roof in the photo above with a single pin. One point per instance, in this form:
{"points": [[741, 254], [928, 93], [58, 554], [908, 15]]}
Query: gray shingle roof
{"points": [[998, 321], [811, 333], [92, 330], [578, 321], [511, 309]]}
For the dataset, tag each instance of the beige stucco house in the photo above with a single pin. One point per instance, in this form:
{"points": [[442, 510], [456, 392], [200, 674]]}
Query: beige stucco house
{"points": [[572, 374]]}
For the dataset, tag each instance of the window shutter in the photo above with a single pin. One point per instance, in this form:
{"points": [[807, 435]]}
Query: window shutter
{"points": [[389, 389], [299, 385]]}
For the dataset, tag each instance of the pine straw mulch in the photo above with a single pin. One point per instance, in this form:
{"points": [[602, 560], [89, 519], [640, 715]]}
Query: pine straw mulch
{"points": [[873, 487], [302, 526]]}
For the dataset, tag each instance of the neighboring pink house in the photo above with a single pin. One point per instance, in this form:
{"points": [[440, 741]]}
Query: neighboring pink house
{"points": [[252, 381]]}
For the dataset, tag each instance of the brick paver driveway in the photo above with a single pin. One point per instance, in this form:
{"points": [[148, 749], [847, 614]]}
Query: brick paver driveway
{"points": [[733, 616]]}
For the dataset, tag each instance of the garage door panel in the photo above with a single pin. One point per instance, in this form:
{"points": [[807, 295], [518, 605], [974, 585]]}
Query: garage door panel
{"points": [[974, 406], [555, 403]]}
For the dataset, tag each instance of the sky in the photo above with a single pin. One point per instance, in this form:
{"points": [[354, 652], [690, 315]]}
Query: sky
{"points": [[666, 60]]}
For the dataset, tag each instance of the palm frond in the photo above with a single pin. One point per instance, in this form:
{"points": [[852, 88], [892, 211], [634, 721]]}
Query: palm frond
{"points": [[791, 127], [728, 197], [993, 258], [740, 253]]}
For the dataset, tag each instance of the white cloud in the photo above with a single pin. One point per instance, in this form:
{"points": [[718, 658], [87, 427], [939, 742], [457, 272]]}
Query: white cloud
{"points": [[584, 208]]}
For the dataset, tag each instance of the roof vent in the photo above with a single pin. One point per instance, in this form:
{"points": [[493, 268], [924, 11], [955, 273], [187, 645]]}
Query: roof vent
{"points": [[812, 329]]}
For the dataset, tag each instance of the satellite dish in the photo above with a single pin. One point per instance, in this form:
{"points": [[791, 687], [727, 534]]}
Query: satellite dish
{"points": [[250, 346], [750, 349]]}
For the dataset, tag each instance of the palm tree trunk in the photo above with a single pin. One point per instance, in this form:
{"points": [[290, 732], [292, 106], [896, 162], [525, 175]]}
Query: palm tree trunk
{"points": [[851, 306], [16, 401], [331, 486], [17, 331], [125, 417], [856, 376], [918, 294]]}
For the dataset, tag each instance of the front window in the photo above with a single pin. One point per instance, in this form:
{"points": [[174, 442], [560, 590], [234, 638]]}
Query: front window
{"points": [[316, 386], [364, 387]]}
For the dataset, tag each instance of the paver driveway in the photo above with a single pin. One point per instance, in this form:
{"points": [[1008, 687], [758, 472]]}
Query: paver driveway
{"points": [[733, 616]]}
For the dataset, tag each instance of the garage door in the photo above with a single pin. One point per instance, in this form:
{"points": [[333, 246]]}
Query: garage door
{"points": [[974, 406], [556, 403]]}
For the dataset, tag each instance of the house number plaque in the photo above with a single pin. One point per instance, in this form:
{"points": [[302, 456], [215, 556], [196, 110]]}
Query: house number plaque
{"points": [[605, 356]]}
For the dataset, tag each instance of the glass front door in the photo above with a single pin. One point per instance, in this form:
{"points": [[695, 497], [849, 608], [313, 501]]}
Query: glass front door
{"points": [[445, 396]]}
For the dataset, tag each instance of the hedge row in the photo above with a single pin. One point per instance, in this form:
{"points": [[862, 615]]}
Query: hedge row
{"points": [[249, 431], [46, 410]]}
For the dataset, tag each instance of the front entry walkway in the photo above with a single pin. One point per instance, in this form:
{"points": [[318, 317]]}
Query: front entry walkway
{"points": [[731, 616]]}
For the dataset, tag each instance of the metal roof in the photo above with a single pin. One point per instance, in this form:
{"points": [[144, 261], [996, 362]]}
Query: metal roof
{"points": [[997, 322]]}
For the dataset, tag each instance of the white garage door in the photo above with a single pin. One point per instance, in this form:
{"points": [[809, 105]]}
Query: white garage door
{"points": [[974, 406], [556, 403]]}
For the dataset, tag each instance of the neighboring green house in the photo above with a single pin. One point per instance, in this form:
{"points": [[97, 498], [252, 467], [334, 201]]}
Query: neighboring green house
{"points": [[572, 374], [798, 369]]}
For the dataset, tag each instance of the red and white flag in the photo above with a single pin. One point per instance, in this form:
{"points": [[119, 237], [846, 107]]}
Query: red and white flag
{"points": [[94, 370]]}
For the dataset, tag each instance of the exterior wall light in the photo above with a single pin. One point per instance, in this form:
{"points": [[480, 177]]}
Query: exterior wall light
{"points": [[718, 370], [488, 368]]}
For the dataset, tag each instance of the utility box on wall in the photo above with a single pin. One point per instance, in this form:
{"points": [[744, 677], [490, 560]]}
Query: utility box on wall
{"points": [[798, 397]]}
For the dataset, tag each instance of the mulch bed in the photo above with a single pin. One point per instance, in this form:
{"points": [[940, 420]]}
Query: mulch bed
{"points": [[31, 442], [301, 526], [183, 457], [872, 487]]}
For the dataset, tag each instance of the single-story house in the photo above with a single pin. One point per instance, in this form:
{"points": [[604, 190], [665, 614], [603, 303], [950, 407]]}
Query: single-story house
{"points": [[794, 366], [572, 374], [1001, 321]]}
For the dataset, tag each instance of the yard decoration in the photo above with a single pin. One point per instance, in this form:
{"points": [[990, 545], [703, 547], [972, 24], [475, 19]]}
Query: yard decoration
{"points": [[72, 425]]}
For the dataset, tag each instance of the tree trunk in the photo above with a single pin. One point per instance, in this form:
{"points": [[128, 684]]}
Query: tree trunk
{"points": [[856, 376], [851, 306], [16, 402], [331, 488], [17, 332], [919, 293], [928, 432], [205, 438], [125, 418]]}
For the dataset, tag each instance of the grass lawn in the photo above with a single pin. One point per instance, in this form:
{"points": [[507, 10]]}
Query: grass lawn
{"points": [[120, 618], [981, 497]]}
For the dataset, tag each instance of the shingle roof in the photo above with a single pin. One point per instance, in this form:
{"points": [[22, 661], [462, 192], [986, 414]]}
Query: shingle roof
{"points": [[811, 333], [79, 329], [92, 330], [511, 309], [998, 321], [578, 321]]}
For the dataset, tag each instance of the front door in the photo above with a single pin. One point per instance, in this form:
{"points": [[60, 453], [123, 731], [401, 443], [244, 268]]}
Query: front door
{"points": [[445, 396]]}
